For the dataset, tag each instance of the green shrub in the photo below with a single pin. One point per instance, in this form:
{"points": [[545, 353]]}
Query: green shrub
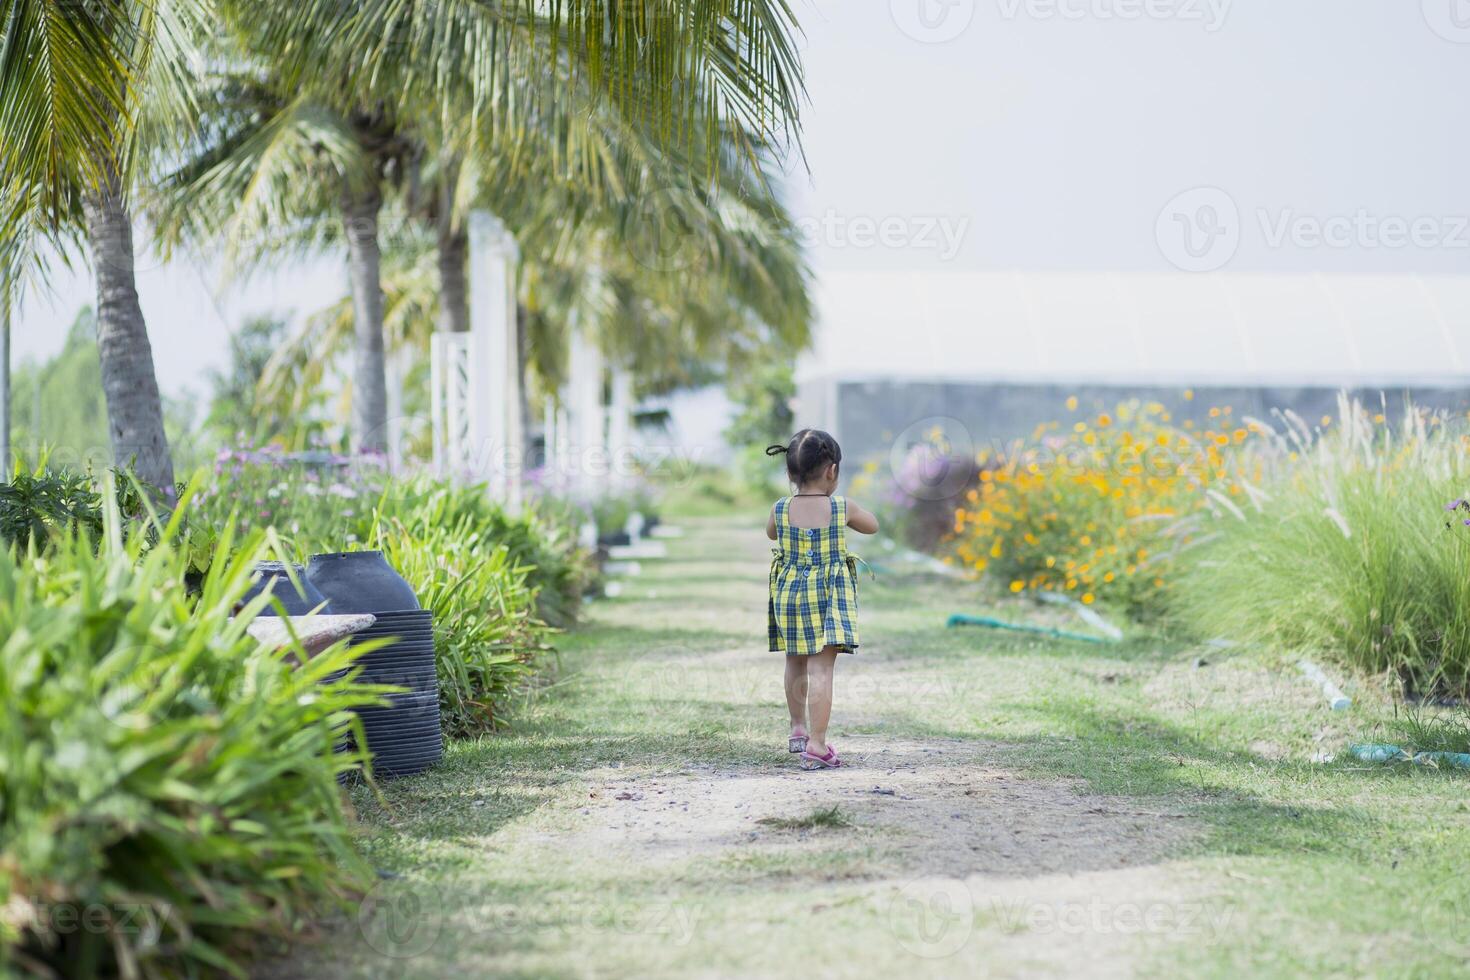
{"points": [[331, 503], [42, 505], [35, 506], [486, 636], [1346, 554], [541, 541], [168, 788]]}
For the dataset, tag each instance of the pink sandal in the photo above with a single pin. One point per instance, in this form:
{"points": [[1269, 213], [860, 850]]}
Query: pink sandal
{"points": [[796, 744], [829, 761]]}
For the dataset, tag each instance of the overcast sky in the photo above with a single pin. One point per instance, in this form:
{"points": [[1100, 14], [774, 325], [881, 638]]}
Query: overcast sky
{"points": [[1134, 135]]}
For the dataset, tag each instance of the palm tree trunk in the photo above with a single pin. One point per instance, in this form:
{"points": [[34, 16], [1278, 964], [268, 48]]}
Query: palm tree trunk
{"points": [[360, 209], [134, 407], [453, 256], [454, 304]]}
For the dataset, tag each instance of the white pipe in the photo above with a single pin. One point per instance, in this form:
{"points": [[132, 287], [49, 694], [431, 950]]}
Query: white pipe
{"points": [[1338, 700], [1089, 616]]}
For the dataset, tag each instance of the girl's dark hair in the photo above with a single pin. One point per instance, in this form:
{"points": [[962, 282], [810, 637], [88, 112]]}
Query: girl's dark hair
{"points": [[808, 451]]}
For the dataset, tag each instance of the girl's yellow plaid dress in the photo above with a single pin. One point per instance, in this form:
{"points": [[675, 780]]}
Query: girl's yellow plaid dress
{"points": [[813, 585]]}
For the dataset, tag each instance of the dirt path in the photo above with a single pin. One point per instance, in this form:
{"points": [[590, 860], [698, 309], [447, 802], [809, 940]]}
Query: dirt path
{"points": [[653, 821]]}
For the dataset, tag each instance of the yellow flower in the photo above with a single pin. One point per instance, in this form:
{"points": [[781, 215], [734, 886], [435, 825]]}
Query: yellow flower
{"points": [[1018, 586], [1089, 599], [1189, 394], [1104, 420], [1072, 404]]}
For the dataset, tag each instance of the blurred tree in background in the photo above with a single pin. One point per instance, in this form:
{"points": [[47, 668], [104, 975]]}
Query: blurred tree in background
{"points": [[762, 395], [60, 410]]}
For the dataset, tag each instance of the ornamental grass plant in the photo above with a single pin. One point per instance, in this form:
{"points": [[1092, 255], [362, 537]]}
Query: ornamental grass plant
{"points": [[1349, 552]]}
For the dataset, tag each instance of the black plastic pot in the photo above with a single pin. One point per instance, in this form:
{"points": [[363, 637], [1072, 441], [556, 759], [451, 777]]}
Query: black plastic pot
{"points": [[401, 647], [416, 631], [427, 753], [360, 582], [297, 601], [415, 677], [414, 707], [403, 736]]}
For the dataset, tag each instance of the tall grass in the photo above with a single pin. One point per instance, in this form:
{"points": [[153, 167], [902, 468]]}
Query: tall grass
{"points": [[1344, 553]]}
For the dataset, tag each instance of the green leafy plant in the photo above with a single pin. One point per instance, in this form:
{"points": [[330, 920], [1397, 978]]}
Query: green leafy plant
{"points": [[541, 540], [41, 505], [36, 505], [486, 636], [164, 779]]}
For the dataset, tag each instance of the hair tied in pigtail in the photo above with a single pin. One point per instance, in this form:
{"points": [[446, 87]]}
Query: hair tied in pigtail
{"points": [[775, 450]]}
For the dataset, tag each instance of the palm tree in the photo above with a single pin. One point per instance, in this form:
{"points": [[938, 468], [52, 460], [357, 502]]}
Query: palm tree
{"points": [[679, 70], [740, 296], [73, 80]]}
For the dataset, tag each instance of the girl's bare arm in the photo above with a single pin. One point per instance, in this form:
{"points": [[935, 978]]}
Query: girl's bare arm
{"points": [[771, 524], [860, 520]]}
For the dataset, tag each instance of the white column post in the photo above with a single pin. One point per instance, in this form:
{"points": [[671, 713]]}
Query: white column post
{"points": [[585, 382], [563, 447], [620, 420], [396, 370], [515, 452], [494, 373]]}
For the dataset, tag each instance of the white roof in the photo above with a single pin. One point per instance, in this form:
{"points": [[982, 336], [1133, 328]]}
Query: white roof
{"points": [[1141, 327]]}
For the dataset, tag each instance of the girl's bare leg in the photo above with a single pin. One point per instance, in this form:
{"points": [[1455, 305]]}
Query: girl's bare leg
{"points": [[819, 698], [796, 693]]}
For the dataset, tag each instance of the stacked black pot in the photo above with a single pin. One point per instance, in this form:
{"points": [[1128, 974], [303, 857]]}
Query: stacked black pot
{"points": [[404, 737], [298, 598]]}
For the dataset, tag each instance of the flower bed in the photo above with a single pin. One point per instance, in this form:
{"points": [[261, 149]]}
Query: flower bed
{"points": [[1103, 508]]}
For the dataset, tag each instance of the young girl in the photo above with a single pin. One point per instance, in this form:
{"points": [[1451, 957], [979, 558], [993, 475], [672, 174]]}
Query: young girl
{"points": [[812, 613]]}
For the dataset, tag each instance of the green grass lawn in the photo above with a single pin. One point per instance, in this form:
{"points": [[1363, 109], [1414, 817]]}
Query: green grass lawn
{"points": [[1014, 806]]}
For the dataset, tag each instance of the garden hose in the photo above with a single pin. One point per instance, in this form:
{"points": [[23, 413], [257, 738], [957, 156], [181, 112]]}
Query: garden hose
{"points": [[959, 619]]}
